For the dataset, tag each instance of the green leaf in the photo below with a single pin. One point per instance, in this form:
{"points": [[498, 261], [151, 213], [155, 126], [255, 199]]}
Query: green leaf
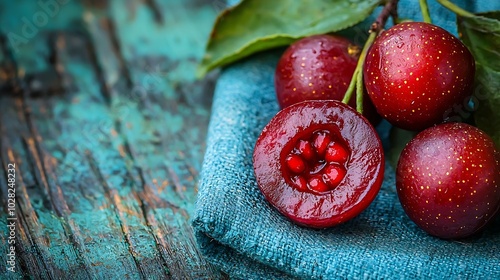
{"points": [[487, 95], [256, 25], [481, 34]]}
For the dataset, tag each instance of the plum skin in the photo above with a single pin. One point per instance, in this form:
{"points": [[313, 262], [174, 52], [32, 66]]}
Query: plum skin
{"points": [[416, 72], [319, 67], [448, 180]]}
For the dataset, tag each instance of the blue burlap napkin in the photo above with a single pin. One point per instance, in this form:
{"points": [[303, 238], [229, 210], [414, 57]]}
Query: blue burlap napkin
{"points": [[238, 231]]}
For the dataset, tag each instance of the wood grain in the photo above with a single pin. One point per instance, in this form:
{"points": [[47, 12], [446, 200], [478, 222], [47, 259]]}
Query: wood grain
{"points": [[102, 114]]}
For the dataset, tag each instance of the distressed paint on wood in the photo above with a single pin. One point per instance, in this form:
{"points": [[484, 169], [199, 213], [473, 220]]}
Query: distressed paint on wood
{"points": [[106, 122]]}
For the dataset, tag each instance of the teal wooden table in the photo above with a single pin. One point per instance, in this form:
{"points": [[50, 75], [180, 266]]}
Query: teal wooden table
{"points": [[102, 126]]}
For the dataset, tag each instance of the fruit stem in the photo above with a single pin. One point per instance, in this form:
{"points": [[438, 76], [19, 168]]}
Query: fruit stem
{"points": [[359, 72], [352, 86], [425, 11], [454, 8], [359, 93], [390, 8]]}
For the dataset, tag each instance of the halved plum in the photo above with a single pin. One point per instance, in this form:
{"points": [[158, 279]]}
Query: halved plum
{"points": [[319, 163]]}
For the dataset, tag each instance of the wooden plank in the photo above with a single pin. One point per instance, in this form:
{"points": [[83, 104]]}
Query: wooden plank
{"points": [[161, 125], [155, 107], [107, 129]]}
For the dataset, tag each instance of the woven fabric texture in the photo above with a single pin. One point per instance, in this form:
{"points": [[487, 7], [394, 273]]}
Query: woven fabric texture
{"points": [[242, 234]]}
